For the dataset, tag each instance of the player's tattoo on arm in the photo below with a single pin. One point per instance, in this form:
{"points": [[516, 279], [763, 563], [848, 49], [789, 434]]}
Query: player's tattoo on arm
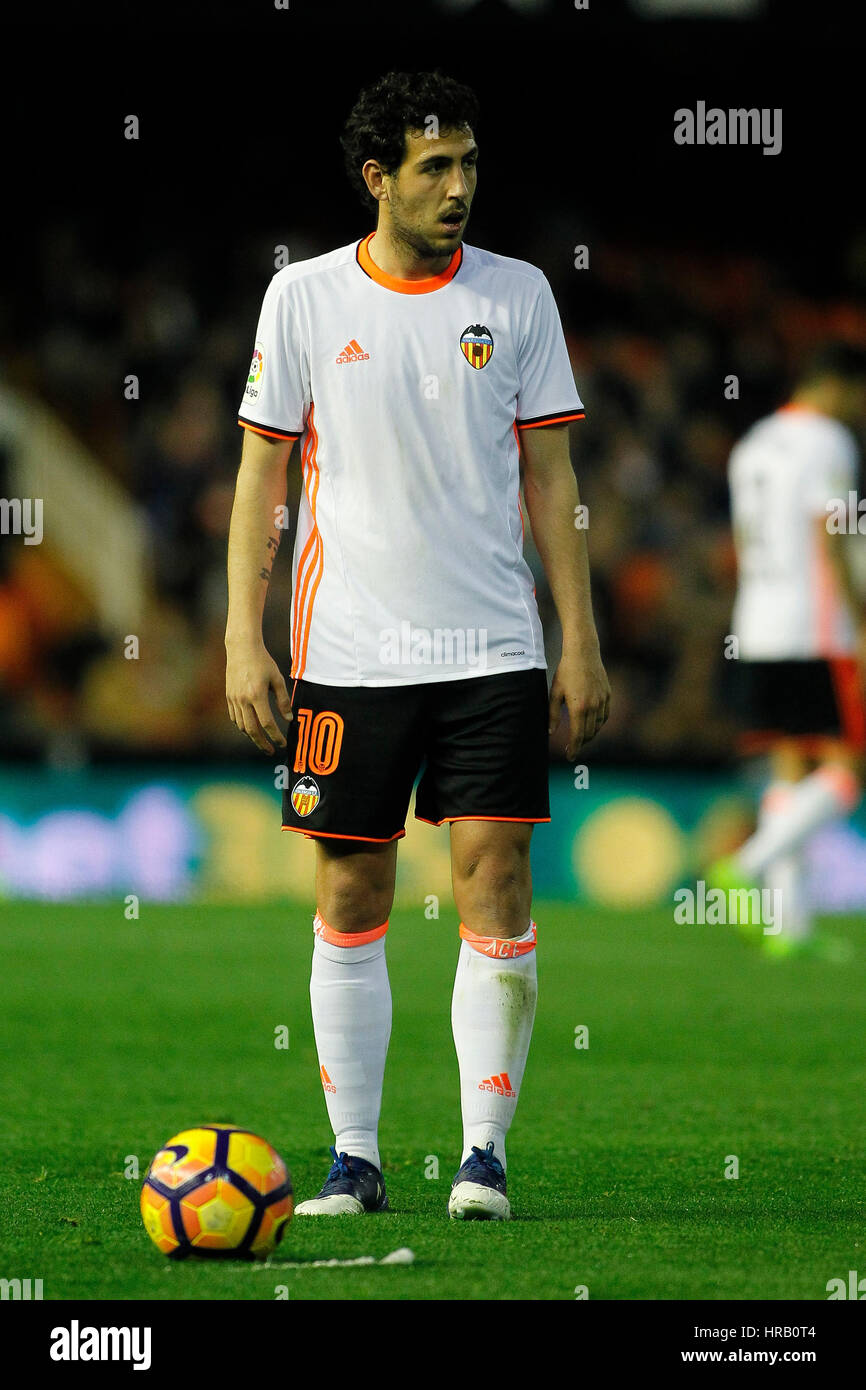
{"points": [[273, 547]]}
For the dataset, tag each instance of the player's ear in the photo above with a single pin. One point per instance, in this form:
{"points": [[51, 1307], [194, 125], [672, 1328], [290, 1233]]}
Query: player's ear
{"points": [[374, 177]]}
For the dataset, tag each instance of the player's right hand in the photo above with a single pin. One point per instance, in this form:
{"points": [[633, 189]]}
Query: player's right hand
{"points": [[251, 675]]}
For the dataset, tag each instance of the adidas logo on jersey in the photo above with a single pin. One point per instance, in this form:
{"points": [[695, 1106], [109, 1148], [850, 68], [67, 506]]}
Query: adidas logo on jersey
{"points": [[499, 1085], [353, 352], [327, 1082]]}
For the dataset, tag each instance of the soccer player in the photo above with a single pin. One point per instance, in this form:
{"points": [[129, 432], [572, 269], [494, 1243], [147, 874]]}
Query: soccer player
{"points": [[799, 625], [417, 371]]}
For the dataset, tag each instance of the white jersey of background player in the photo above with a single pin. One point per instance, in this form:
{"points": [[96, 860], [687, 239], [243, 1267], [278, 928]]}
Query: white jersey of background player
{"points": [[790, 601]]}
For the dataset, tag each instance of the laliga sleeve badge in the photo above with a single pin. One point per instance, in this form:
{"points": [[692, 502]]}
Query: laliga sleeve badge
{"points": [[305, 796], [257, 366], [476, 344]]}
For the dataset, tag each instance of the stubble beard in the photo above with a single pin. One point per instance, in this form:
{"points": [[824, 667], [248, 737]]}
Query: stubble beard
{"points": [[412, 237]]}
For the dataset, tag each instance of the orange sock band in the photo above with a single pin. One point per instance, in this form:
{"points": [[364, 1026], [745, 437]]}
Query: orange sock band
{"points": [[844, 782], [500, 947], [346, 938], [776, 797]]}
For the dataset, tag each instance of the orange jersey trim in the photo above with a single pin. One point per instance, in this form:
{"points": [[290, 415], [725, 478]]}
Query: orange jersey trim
{"points": [[271, 434], [302, 561], [799, 408], [320, 560], [550, 420], [390, 282], [311, 562]]}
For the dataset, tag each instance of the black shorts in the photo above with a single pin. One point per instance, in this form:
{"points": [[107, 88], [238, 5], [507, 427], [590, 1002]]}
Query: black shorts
{"points": [[354, 753], [805, 701]]}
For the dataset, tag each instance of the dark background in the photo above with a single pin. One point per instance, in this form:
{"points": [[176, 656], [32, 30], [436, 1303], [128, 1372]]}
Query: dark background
{"points": [[152, 257]]}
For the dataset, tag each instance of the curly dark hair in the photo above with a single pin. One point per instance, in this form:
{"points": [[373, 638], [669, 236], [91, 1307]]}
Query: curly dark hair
{"points": [[397, 103]]}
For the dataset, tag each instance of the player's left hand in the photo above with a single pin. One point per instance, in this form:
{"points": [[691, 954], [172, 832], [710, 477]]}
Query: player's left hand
{"points": [[581, 684]]}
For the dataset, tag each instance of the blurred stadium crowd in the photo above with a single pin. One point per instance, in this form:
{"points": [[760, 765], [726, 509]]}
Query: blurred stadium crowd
{"points": [[654, 337]]}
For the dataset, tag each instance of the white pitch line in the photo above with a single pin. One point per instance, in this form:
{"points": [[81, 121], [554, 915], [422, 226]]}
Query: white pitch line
{"points": [[403, 1256]]}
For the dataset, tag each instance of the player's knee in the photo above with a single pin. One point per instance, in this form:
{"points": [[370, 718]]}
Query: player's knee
{"points": [[353, 914], [496, 876], [354, 907], [356, 894], [355, 884], [493, 890], [501, 912], [492, 862]]}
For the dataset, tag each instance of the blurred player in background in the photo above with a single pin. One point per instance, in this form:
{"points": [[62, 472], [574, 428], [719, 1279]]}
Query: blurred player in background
{"points": [[799, 623], [419, 373]]}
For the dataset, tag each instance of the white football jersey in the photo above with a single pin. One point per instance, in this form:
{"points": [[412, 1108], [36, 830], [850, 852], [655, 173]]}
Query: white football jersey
{"points": [[408, 396], [782, 475]]}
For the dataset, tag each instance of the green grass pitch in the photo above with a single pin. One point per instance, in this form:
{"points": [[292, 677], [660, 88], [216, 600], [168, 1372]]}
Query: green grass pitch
{"points": [[116, 1034]]}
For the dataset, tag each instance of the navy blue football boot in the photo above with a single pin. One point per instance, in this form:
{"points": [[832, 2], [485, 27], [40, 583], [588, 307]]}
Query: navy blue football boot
{"points": [[352, 1188], [478, 1191]]}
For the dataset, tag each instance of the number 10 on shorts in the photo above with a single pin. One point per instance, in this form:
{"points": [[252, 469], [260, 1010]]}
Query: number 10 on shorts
{"points": [[320, 738]]}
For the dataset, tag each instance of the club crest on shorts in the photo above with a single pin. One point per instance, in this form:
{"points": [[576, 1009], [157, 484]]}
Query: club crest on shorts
{"points": [[476, 344], [305, 796]]}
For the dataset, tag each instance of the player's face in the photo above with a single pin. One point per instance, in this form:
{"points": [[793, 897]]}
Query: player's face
{"points": [[430, 195]]}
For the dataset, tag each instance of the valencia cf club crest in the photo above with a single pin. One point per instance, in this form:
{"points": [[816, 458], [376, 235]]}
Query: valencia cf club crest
{"points": [[476, 344], [305, 796]]}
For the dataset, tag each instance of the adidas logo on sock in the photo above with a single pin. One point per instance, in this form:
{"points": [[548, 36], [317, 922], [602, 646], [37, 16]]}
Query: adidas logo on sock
{"points": [[353, 352], [499, 1085], [327, 1082]]}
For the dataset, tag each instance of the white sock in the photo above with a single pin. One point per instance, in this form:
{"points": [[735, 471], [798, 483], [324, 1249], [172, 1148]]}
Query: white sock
{"points": [[787, 872], [492, 1012], [830, 792], [351, 1001]]}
